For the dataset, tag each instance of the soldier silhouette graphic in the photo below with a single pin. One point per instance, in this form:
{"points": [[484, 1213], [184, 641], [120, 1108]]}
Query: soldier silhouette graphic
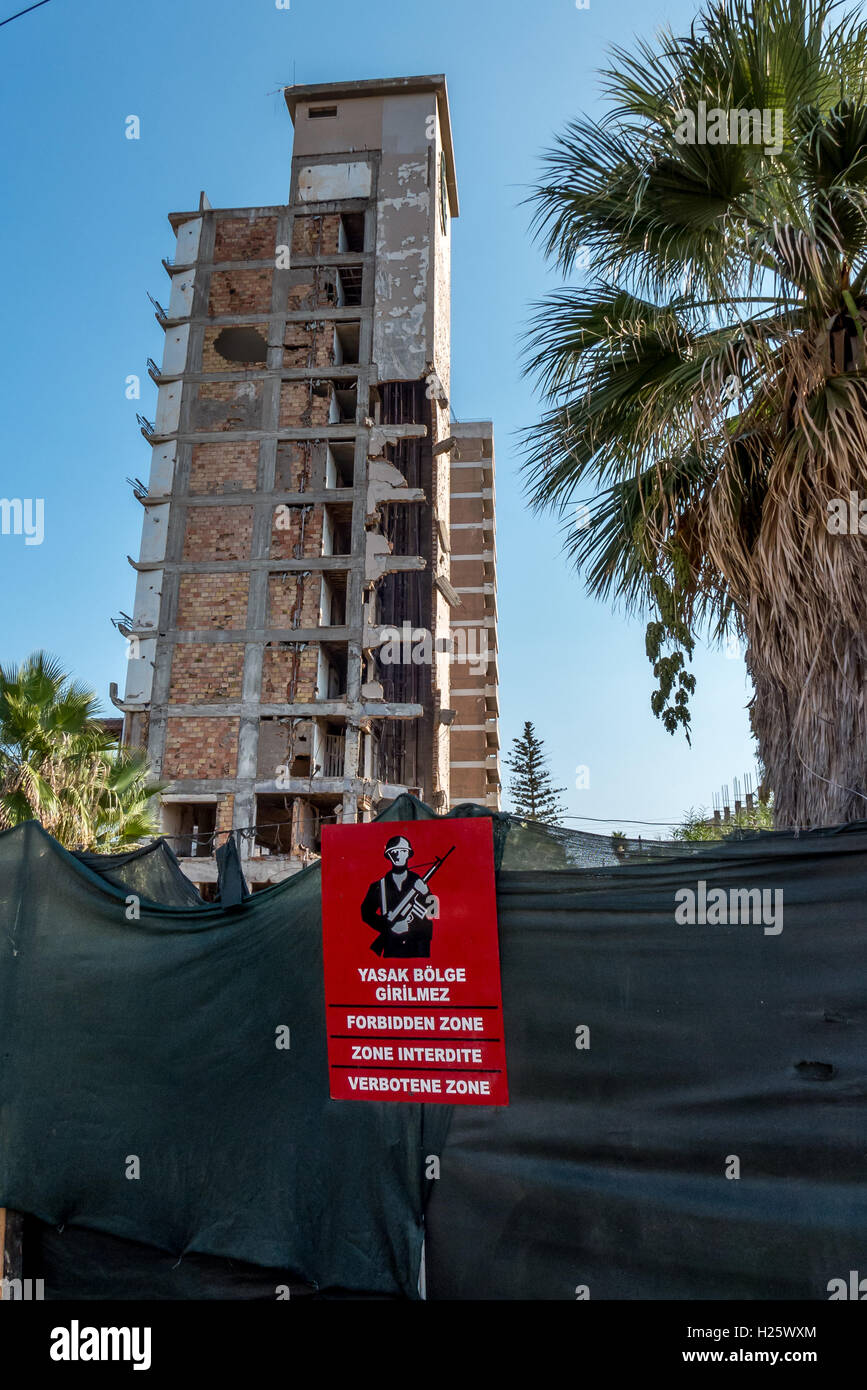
{"points": [[399, 907]]}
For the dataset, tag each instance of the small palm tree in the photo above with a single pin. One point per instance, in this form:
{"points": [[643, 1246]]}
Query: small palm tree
{"points": [[706, 386], [60, 765]]}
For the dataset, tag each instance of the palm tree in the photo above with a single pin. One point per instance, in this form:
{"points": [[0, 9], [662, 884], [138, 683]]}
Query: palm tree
{"points": [[60, 764], [706, 386]]}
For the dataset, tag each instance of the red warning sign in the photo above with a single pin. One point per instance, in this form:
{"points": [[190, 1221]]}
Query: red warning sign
{"points": [[412, 965]]}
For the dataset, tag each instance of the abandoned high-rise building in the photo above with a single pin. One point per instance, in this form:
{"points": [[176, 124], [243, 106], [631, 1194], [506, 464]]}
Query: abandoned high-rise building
{"points": [[315, 617]]}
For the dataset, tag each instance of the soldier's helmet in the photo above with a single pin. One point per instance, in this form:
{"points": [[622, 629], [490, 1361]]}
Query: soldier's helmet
{"points": [[398, 850]]}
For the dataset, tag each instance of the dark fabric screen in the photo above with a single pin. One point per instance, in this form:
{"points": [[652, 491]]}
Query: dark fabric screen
{"points": [[79, 1264], [153, 873], [707, 1043], [155, 1039]]}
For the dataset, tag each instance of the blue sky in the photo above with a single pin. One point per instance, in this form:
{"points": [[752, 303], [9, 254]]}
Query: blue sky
{"points": [[82, 239]]}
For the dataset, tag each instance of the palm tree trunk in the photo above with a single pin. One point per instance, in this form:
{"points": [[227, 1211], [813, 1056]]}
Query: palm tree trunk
{"points": [[809, 715]]}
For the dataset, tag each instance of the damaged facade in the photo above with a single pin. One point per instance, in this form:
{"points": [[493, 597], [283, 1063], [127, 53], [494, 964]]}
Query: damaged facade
{"points": [[315, 617]]}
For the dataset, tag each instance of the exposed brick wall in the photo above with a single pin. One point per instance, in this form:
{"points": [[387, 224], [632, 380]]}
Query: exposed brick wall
{"points": [[217, 468], [228, 405], [294, 470], [214, 361], [316, 236], [199, 748], [308, 347], [289, 674], [296, 532], [139, 731], [301, 292], [206, 673], [212, 600], [225, 812], [313, 287], [240, 292], [218, 533], [243, 239], [301, 408], [294, 600]]}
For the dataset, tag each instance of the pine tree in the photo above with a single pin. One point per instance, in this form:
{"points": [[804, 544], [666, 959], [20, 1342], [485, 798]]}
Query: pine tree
{"points": [[530, 785]]}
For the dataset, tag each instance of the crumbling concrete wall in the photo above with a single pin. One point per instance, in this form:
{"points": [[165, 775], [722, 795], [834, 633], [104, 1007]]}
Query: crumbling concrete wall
{"points": [[403, 329]]}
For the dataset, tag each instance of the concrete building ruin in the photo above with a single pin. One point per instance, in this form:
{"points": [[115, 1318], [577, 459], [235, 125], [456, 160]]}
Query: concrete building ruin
{"points": [[315, 618]]}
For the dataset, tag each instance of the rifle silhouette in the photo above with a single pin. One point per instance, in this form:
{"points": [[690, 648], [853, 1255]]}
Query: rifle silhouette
{"points": [[410, 907]]}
